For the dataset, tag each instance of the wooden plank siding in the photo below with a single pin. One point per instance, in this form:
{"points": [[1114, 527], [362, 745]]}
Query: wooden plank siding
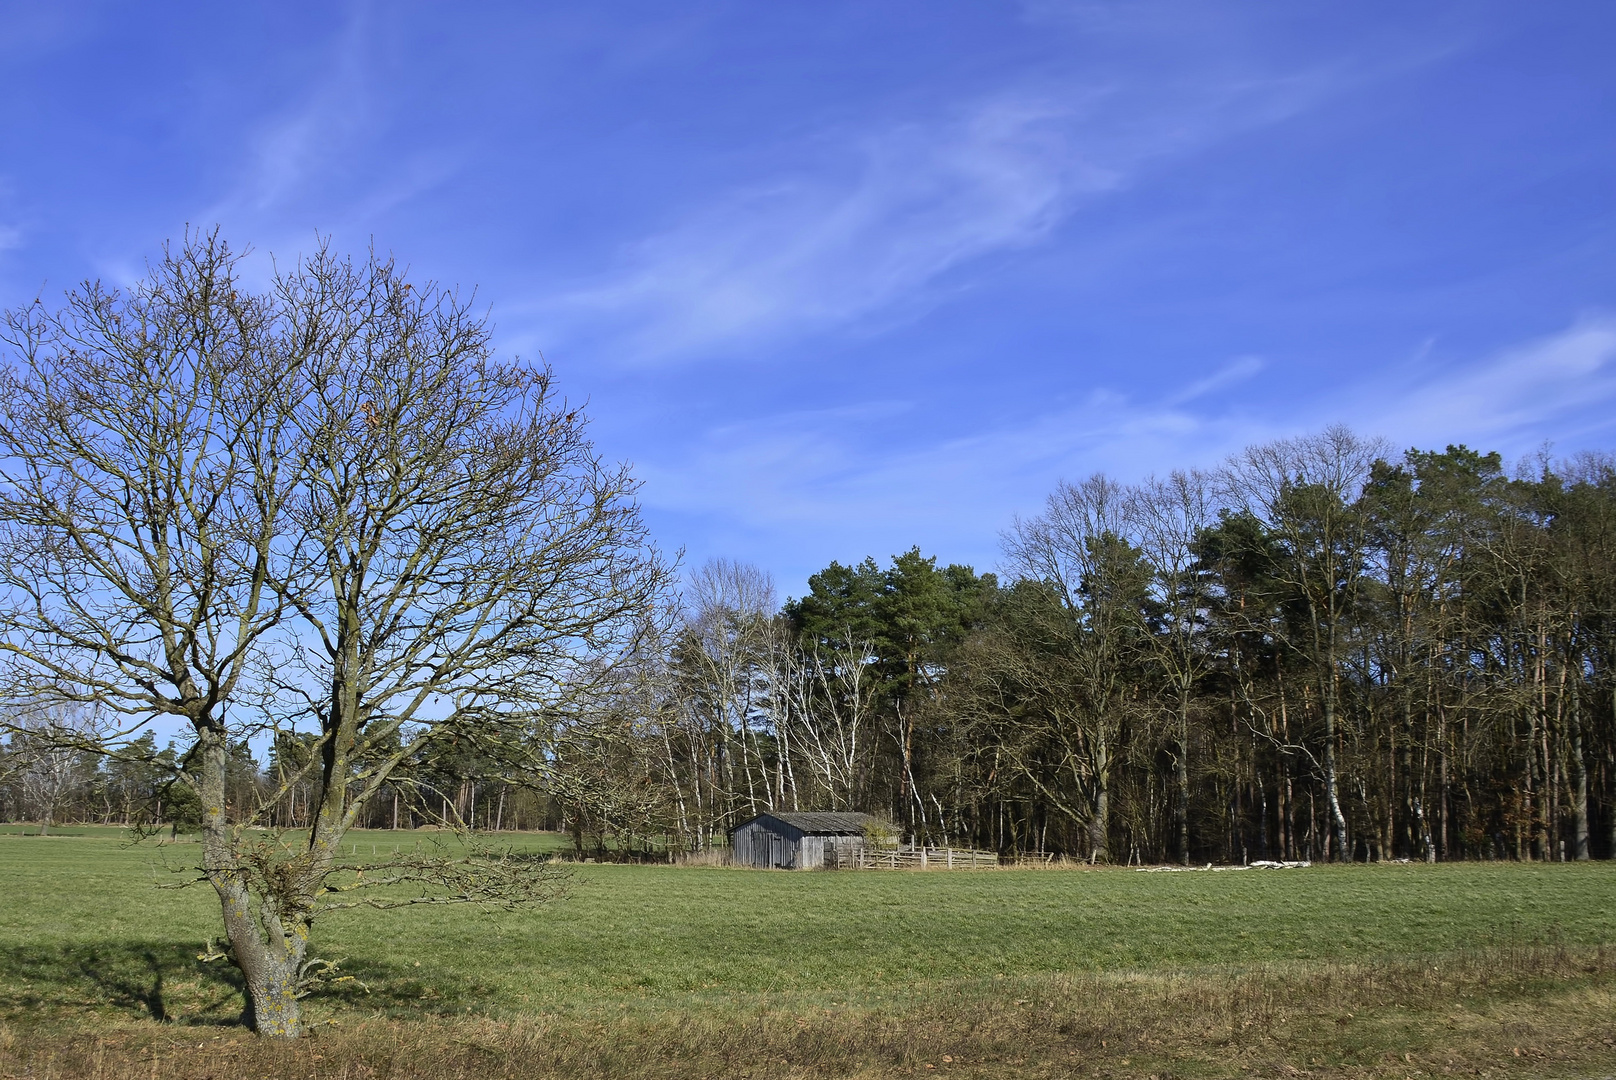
{"points": [[805, 841]]}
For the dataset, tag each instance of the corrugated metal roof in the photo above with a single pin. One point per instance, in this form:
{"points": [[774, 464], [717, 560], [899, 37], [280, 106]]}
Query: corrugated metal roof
{"points": [[822, 822]]}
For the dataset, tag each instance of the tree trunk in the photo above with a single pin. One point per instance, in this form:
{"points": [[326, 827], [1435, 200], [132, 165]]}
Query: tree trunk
{"points": [[1610, 759], [272, 976], [1099, 823], [1442, 783], [268, 951], [1579, 773], [1183, 778], [1332, 787]]}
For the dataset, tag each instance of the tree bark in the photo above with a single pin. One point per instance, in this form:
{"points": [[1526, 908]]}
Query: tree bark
{"points": [[1100, 822], [1182, 775], [1579, 772], [1332, 787], [267, 946]]}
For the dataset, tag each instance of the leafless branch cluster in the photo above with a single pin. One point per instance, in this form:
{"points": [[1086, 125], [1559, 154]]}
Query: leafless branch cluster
{"points": [[322, 507]]}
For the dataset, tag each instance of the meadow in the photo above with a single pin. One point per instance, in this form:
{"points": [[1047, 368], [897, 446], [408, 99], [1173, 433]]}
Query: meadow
{"points": [[708, 971]]}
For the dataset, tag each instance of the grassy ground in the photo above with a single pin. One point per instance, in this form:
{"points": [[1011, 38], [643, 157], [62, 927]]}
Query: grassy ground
{"points": [[696, 971]]}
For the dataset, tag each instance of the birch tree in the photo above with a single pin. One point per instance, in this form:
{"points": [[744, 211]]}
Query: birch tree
{"points": [[1306, 491], [725, 652], [830, 707], [49, 759]]}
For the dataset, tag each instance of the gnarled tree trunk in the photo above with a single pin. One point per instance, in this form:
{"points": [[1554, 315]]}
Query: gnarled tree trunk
{"points": [[266, 944]]}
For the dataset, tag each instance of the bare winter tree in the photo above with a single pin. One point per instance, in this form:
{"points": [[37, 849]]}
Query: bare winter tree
{"points": [[49, 759], [1078, 546], [1167, 516], [830, 706], [724, 651], [1306, 491], [329, 506]]}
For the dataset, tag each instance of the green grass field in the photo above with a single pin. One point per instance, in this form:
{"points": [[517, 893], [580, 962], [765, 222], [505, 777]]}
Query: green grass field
{"points": [[87, 936]]}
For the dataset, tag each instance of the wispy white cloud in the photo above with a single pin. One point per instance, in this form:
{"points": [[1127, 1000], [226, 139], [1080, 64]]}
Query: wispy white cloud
{"points": [[815, 485], [1235, 371], [799, 251], [821, 482], [893, 210], [1563, 383], [312, 167], [288, 151]]}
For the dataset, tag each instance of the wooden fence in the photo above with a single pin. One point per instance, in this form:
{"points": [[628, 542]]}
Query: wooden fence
{"points": [[909, 858]]}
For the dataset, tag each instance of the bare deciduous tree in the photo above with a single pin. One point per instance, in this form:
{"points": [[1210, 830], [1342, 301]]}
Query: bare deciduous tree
{"points": [[830, 705], [328, 506], [1305, 490], [1079, 547], [1168, 516], [722, 699], [49, 759]]}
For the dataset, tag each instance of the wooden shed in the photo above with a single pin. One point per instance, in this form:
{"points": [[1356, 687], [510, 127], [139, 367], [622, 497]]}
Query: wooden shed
{"points": [[799, 841]]}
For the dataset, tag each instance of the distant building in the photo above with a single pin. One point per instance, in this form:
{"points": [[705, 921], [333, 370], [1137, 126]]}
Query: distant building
{"points": [[800, 841]]}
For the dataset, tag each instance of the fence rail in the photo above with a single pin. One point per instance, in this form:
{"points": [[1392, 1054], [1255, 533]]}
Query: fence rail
{"points": [[909, 858]]}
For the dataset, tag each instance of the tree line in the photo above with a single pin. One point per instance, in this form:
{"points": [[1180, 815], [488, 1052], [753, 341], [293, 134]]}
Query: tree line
{"points": [[48, 778], [1318, 651]]}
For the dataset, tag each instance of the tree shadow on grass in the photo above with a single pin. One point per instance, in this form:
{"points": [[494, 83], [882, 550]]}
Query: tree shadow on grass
{"points": [[169, 982], [150, 979]]}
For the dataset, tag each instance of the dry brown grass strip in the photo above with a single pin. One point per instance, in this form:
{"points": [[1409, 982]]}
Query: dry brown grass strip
{"points": [[1519, 1012]]}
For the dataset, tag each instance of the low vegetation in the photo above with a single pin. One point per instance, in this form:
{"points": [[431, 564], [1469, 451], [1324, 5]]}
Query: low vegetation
{"points": [[695, 971]]}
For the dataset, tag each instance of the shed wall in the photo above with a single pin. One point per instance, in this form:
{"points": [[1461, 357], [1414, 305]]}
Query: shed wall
{"points": [[757, 844]]}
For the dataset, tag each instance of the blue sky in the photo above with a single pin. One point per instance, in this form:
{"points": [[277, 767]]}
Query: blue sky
{"points": [[841, 278]]}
